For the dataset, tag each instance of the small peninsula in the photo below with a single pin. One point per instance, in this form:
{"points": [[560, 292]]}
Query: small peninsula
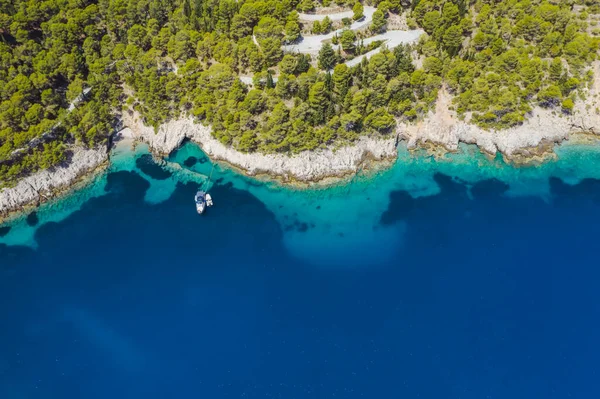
{"points": [[303, 90]]}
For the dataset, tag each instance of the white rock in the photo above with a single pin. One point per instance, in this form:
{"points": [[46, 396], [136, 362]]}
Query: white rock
{"points": [[45, 182], [442, 127], [307, 166]]}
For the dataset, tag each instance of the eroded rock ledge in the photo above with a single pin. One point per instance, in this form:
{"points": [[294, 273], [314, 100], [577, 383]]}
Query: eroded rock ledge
{"points": [[441, 128], [46, 184], [308, 166]]}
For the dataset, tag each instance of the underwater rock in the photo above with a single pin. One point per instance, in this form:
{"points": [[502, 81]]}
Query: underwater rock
{"points": [[32, 219]]}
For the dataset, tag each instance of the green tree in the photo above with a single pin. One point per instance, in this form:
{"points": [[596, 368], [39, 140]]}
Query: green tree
{"points": [[306, 5], [327, 57], [292, 28], [450, 14], [556, 69], [453, 39], [271, 48], [385, 6], [379, 22], [316, 27], [326, 25], [568, 105], [254, 102], [431, 21], [347, 41], [433, 65], [288, 64], [380, 120], [550, 97], [402, 61], [137, 35], [341, 80], [268, 27], [358, 11], [317, 99]]}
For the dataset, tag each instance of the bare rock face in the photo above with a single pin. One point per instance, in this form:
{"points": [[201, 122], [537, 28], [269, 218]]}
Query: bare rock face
{"points": [[442, 127], [44, 184], [306, 166], [169, 135]]}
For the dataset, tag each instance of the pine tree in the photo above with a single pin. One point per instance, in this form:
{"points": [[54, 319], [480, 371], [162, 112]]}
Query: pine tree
{"points": [[378, 22], [453, 39], [303, 63], [341, 80], [316, 28], [328, 82], [326, 25], [347, 40], [358, 11], [187, 9], [270, 83], [317, 99], [327, 58], [292, 31], [403, 62], [306, 5]]}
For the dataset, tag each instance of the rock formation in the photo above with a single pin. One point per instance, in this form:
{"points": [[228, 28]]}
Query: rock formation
{"points": [[43, 185]]}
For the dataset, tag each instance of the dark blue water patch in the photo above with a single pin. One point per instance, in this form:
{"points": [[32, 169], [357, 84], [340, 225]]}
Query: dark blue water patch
{"points": [[299, 226], [401, 205], [202, 160], [588, 190], [11, 256], [490, 296], [148, 166], [32, 219], [190, 161], [489, 188], [4, 230]]}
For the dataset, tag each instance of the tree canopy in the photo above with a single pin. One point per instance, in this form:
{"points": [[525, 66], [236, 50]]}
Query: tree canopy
{"points": [[69, 68]]}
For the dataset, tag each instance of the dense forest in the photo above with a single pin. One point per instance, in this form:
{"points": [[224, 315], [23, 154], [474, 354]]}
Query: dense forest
{"points": [[69, 68]]}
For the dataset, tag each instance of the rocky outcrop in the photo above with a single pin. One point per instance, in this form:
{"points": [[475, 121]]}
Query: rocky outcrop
{"points": [[167, 138], [442, 126], [308, 166], [44, 184]]}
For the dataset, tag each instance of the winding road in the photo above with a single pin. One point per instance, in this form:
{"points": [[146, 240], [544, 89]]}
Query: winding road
{"points": [[312, 44]]}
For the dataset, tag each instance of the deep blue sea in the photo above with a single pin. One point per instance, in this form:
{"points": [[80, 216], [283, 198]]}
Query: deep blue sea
{"points": [[460, 277]]}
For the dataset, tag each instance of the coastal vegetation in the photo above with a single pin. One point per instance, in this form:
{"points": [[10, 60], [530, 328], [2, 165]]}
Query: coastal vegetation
{"points": [[169, 58]]}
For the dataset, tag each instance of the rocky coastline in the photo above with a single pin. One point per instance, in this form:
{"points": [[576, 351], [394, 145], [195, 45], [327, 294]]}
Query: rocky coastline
{"points": [[308, 166], [442, 129], [47, 184], [519, 145]]}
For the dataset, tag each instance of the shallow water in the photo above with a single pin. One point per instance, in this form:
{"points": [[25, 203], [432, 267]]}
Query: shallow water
{"points": [[454, 278]]}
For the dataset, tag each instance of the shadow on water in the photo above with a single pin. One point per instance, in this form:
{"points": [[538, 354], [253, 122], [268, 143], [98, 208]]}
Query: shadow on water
{"points": [[190, 161], [32, 219], [4, 230], [148, 166]]}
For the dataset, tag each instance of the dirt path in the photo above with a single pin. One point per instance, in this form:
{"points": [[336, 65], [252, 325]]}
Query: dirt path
{"points": [[312, 44]]}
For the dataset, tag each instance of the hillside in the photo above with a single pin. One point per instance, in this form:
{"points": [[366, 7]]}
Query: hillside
{"points": [[70, 68]]}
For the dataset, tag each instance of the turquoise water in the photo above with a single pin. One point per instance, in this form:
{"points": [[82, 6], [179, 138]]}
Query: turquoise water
{"points": [[333, 212], [457, 277]]}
